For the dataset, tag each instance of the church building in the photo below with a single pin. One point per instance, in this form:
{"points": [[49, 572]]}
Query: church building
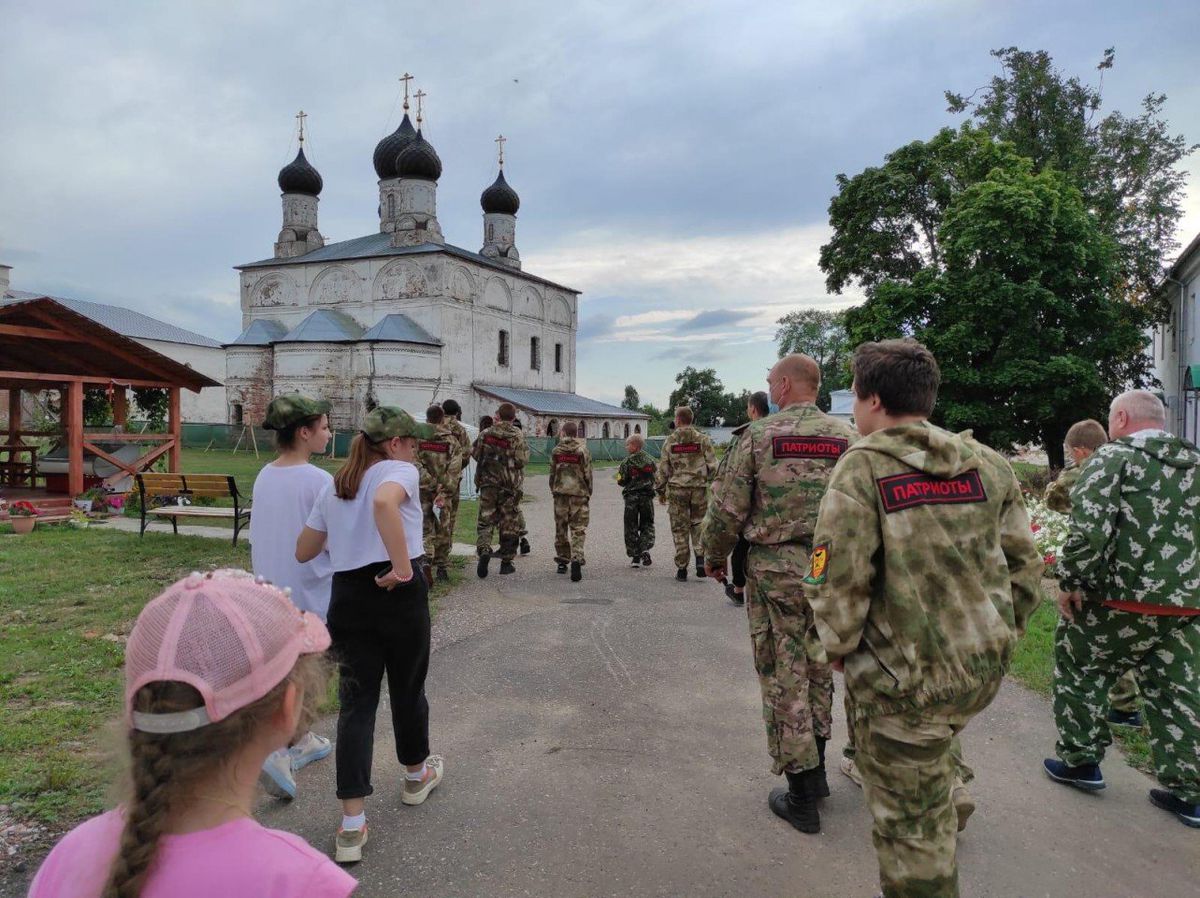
{"points": [[401, 317]]}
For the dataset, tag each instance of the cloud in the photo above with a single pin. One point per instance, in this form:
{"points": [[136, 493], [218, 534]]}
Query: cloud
{"points": [[714, 318], [596, 326]]}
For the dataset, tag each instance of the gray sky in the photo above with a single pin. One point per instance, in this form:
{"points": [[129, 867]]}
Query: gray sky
{"points": [[675, 160]]}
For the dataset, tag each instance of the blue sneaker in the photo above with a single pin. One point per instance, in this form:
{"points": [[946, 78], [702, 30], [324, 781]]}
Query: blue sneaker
{"points": [[1125, 719], [1188, 814], [276, 776], [1086, 776], [309, 748]]}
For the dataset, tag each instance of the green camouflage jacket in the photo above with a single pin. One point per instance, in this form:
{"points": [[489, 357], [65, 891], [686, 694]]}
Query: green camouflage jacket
{"points": [[636, 474], [571, 468], [501, 454], [924, 569], [1058, 494], [464, 441], [440, 462], [687, 459], [1135, 525], [772, 479]]}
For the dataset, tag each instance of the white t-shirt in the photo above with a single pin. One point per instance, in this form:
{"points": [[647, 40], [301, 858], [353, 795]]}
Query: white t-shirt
{"points": [[283, 499], [352, 538]]}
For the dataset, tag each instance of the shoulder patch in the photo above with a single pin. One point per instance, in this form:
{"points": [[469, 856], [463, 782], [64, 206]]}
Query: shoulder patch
{"points": [[434, 446], [901, 491], [818, 565], [500, 442], [820, 447], [686, 448], [568, 458]]}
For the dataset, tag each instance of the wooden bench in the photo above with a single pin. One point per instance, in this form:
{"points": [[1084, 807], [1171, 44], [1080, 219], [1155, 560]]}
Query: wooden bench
{"points": [[190, 486]]}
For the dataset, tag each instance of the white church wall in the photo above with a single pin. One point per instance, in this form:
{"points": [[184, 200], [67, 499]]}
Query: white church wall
{"points": [[207, 406]]}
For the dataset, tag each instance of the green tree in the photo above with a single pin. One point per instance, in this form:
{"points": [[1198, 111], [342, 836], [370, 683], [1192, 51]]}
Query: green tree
{"points": [[702, 391], [821, 335], [631, 401]]}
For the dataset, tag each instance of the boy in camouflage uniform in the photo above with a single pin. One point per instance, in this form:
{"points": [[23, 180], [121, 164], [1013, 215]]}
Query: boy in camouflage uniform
{"points": [[440, 461], [685, 468], [571, 486], [924, 572], [770, 489], [1130, 580], [453, 420], [522, 529], [500, 455], [636, 478]]}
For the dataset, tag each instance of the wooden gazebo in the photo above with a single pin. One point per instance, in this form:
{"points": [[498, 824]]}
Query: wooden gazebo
{"points": [[46, 346]]}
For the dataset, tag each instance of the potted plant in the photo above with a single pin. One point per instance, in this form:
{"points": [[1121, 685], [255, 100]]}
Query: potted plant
{"points": [[78, 519], [23, 516]]}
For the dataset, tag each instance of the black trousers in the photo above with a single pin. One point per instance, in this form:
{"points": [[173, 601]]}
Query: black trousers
{"points": [[737, 562], [376, 632], [639, 524]]}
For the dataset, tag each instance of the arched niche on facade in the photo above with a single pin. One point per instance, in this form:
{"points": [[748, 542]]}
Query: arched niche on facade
{"points": [[497, 295], [270, 290], [403, 279], [462, 285], [560, 312], [333, 287], [530, 304]]}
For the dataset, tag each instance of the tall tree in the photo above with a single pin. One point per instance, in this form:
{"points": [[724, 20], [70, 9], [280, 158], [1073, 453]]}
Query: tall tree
{"points": [[631, 401], [702, 391], [821, 335]]}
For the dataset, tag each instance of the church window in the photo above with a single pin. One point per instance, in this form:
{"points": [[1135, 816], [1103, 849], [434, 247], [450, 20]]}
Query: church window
{"points": [[535, 353], [583, 429], [236, 413], [558, 358], [489, 236], [637, 428], [606, 430], [626, 431], [502, 355], [552, 428], [391, 206]]}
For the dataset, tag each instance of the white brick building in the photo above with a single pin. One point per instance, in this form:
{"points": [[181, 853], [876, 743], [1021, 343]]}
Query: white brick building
{"points": [[1174, 347]]}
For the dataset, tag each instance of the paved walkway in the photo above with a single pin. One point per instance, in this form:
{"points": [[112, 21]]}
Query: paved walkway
{"points": [[604, 738]]}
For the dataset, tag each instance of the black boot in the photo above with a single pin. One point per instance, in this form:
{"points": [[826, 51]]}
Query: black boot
{"points": [[507, 567], [646, 559], [700, 566], [525, 550], [681, 574], [562, 567], [820, 783], [576, 571], [796, 804], [482, 566], [442, 573]]}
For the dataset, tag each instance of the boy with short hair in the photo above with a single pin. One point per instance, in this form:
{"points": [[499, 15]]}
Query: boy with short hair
{"points": [[571, 486], [636, 478]]}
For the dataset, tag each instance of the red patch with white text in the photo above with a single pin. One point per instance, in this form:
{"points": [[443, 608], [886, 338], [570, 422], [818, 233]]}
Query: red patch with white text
{"points": [[686, 448], [499, 442], [902, 491], [431, 446], [568, 458], [828, 448]]}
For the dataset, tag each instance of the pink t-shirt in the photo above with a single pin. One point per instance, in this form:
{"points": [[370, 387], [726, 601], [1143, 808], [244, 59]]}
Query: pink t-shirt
{"points": [[239, 859]]}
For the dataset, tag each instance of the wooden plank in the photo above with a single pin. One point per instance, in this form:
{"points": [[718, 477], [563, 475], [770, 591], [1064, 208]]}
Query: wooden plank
{"points": [[120, 406], [37, 333], [111, 459], [10, 378], [175, 426], [207, 479], [73, 413], [196, 511], [14, 415], [154, 477], [127, 437], [109, 346]]}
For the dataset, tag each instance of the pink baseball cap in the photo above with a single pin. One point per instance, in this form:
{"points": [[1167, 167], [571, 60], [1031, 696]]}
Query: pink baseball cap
{"points": [[232, 636]]}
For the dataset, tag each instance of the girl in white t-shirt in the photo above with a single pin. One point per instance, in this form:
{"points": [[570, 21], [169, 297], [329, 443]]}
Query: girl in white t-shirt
{"points": [[284, 494], [370, 522]]}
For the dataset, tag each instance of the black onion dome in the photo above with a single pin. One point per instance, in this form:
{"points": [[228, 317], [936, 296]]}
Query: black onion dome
{"points": [[298, 176], [389, 148], [500, 197], [419, 160]]}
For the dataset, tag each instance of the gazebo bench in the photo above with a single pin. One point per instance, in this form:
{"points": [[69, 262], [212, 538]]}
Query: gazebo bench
{"points": [[189, 486]]}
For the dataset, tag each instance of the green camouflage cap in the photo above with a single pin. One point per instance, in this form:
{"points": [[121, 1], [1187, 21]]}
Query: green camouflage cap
{"points": [[292, 407], [385, 422]]}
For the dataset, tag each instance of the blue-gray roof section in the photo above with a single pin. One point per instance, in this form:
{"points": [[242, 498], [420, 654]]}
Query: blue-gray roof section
{"points": [[261, 332], [125, 322], [324, 326], [555, 402], [377, 245], [397, 328]]}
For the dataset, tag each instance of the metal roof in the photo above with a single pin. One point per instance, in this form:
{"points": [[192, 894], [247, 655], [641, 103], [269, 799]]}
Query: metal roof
{"points": [[324, 326], [374, 245], [261, 332], [397, 328], [555, 402], [125, 322]]}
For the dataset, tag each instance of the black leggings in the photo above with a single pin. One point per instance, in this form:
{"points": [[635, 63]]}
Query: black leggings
{"points": [[737, 562], [375, 632]]}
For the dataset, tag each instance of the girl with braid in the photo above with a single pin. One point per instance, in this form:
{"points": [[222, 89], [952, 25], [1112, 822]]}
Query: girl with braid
{"points": [[220, 671]]}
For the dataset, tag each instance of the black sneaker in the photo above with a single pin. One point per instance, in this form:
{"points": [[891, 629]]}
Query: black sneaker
{"points": [[645, 559], [562, 567], [1086, 776], [700, 567], [1188, 814], [507, 567], [482, 566], [797, 804], [443, 574], [681, 574], [1132, 719], [635, 562], [735, 597], [576, 571], [525, 549]]}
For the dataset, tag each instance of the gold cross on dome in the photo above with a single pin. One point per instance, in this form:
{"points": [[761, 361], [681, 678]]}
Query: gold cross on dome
{"points": [[405, 78], [420, 95], [300, 117], [500, 141]]}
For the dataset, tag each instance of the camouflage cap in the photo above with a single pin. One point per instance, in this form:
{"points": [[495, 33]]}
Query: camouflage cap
{"points": [[385, 422], [292, 407]]}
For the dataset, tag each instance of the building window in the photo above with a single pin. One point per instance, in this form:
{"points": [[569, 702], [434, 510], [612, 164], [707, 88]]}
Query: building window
{"points": [[237, 413], [606, 431], [535, 354], [502, 355], [490, 238], [552, 428], [583, 429], [558, 358], [627, 430], [391, 206], [637, 428]]}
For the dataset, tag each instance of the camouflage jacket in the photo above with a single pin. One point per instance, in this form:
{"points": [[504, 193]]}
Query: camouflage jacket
{"points": [[924, 569], [440, 462], [571, 468], [1135, 526], [501, 454], [636, 474], [1058, 494], [772, 480], [464, 442], [687, 459]]}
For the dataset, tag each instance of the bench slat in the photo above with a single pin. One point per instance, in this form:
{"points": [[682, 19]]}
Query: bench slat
{"points": [[197, 511]]}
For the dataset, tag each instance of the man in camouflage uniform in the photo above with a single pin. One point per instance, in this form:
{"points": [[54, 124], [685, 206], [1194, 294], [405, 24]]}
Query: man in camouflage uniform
{"points": [[636, 478], [440, 461], [685, 468], [1130, 580], [923, 574], [453, 421], [1082, 440], [500, 455], [522, 529], [770, 490], [571, 486]]}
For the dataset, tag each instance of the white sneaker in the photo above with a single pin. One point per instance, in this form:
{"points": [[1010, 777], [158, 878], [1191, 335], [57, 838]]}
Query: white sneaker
{"points": [[349, 845], [276, 776], [309, 748], [416, 791], [848, 767]]}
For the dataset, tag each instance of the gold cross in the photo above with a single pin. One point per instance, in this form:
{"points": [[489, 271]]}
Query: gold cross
{"points": [[300, 117], [500, 141], [406, 78], [420, 95]]}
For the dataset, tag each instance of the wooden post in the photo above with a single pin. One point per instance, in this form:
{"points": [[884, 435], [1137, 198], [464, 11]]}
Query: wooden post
{"points": [[175, 425], [14, 416], [120, 407], [73, 414]]}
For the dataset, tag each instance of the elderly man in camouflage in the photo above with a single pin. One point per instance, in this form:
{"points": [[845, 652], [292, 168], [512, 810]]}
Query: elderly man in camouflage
{"points": [[571, 487], [500, 454], [770, 490], [924, 572], [686, 466], [1130, 580]]}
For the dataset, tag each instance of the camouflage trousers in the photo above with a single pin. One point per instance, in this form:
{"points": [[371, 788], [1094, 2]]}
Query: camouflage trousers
{"points": [[639, 524], [962, 773], [908, 775], [437, 531], [686, 505], [570, 527], [1092, 652], [522, 530], [797, 693], [498, 511], [1123, 696], [450, 513]]}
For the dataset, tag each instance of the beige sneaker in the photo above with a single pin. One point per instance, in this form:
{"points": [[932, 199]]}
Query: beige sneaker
{"points": [[349, 845], [417, 792], [848, 767], [964, 805]]}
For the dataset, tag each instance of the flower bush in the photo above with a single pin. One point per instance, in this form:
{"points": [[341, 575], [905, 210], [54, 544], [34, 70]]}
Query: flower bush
{"points": [[22, 509], [1050, 529]]}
